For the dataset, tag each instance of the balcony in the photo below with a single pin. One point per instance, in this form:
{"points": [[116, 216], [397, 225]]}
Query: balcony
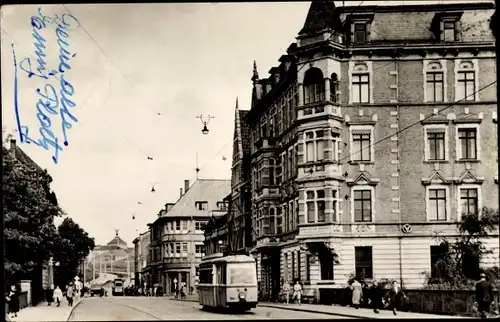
{"points": [[264, 143], [321, 230], [325, 108]]}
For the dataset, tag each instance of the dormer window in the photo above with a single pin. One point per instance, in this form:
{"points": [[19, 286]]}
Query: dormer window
{"points": [[201, 205], [221, 205], [446, 26], [449, 31], [360, 35]]}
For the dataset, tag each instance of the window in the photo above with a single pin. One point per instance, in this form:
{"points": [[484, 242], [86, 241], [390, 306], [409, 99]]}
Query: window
{"points": [[359, 36], [279, 220], [314, 86], [169, 226], [361, 148], [316, 146], [364, 262], [184, 225], [321, 205], [435, 87], [466, 85], [449, 31], [334, 206], [315, 205], [468, 201], [361, 88], [436, 144], [206, 274], [177, 225], [466, 80], [311, 210], [362, 205], [184, 248], [200, 249], [271, 172], [436, 255], [467, 143], [198, 225], [177, 248], [201, 205], [437, 204], [272, 224], [222, 205], [334, 89]]}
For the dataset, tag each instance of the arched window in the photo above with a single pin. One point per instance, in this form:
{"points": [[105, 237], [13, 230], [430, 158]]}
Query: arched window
{"points": [[314, 86], [334, 89]]}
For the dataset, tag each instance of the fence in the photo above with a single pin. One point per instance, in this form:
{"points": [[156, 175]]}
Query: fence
{"points": [[449, 302]]}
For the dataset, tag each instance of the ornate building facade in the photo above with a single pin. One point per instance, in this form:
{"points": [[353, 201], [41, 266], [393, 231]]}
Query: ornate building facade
{"points": [[376, 132], [177, 240]]}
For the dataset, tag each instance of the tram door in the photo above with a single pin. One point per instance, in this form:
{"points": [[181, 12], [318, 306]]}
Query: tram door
{"points": [[220, 288]]}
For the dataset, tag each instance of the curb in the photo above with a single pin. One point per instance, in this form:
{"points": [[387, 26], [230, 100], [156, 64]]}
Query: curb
{"points": [[317, 312], [186, 300], [73, 308]]}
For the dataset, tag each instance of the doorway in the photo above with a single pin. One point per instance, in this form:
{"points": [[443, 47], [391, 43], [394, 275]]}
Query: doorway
{"points": [[325, 262]]}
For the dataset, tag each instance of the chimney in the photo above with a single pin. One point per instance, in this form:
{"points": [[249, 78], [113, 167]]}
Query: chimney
{"points": [[13, 147], [169, 206], [186, 186], [180, 194]]}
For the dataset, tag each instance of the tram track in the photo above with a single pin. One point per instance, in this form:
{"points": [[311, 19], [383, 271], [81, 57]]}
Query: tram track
{"points": [[135, 308]]}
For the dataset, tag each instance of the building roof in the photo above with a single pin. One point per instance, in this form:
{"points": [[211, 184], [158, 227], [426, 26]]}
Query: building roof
{"points": [[22, 157], [245, 132], [209, 190], [320, 16], [117, 241]]}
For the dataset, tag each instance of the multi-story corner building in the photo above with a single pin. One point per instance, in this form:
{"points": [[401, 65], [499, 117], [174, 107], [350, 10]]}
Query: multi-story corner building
{"points": [[141, 257], [177, 240], [376, 132], [233, 230]]}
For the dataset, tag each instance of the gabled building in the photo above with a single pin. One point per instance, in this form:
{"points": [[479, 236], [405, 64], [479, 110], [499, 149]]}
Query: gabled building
{"points": [[375, 132], [177, 240], [233, 230]]}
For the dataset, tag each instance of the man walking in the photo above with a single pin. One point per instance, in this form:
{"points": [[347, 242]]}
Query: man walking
{"points": [[484, 295], [70, 294], [376, 296]]}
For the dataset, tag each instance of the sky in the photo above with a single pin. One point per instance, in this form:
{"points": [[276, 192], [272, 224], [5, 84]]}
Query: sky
{"points": [[140, 76]]}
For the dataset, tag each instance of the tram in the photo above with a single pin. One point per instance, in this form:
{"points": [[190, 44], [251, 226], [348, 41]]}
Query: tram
{"points": [[117, 288], [228, 282]]}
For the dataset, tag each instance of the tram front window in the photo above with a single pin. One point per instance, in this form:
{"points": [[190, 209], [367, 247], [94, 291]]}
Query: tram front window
{"points": [[242, 273]]}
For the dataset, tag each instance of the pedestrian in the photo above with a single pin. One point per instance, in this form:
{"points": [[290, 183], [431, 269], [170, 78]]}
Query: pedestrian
{"points": [[484, 295], [13, 299], [286, 291], [50, 295], [69, 295], [183, 290], [376, 295], [395, 296], [297, 291], [357, 293], [177, 291], [58, 295]]}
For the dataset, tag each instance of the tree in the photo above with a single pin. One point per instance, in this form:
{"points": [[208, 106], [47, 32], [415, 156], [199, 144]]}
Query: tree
{"points": [[457, 265], [29, 210], [74, 246]]}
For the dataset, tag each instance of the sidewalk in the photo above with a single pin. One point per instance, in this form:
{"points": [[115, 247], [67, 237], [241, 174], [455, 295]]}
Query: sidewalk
{"points": [[43, 312], [352, 312]]}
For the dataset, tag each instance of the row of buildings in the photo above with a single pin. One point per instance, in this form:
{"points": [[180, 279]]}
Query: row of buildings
{"points": [[374, 134]]}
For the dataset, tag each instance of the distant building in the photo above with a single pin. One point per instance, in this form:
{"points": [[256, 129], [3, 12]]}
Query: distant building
{"points": [[115, 257], [177, 246], [141, 244]]}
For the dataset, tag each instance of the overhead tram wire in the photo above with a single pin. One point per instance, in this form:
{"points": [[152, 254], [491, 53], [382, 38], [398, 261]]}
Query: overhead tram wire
{"points": [[110, 60]]}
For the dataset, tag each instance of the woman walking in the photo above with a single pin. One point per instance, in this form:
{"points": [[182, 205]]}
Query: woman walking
{"points": [[357, 293], [286, 291], [58, 296], [376, 296]]}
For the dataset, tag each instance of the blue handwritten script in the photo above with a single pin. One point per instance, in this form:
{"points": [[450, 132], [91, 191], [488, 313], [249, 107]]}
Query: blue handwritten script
{"points": [[55, 93]]}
